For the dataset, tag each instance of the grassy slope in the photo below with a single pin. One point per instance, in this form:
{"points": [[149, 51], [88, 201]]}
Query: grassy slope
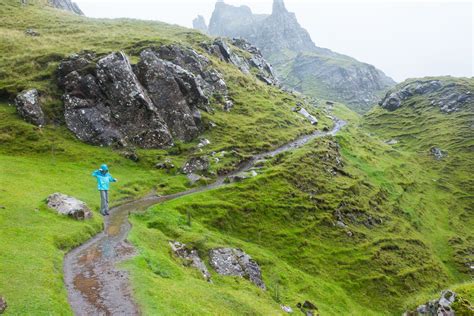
{"points": [[37, 162]]}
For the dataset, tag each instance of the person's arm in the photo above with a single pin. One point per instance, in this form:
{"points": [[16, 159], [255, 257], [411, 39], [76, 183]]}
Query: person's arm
{"points": [[112, 179], [95, 173]]}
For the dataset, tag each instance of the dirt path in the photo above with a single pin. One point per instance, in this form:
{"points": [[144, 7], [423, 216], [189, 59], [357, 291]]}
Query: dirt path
{"points": [[95, 285]]}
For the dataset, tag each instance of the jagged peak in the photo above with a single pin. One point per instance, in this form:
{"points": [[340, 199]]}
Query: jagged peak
{"points": [[279, 7]]}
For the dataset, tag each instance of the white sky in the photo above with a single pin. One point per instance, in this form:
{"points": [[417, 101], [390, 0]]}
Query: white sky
{"points": [[404, 38]]}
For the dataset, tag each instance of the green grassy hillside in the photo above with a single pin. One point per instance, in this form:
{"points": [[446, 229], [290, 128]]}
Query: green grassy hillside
{"points": [[407, 218]]}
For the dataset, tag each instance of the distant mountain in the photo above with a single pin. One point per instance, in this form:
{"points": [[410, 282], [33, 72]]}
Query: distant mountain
{"points": [[300, 64]]}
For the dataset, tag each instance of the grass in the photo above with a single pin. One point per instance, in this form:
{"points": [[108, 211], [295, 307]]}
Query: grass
{"points": [[408, 217]]}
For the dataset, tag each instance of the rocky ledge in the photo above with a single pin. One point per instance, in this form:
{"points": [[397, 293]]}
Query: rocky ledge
{"points": [[449, 97], [151, 104], [66, 5]]}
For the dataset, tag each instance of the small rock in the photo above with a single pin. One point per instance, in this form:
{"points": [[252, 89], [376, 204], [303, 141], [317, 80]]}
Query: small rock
{"points": [[31, 32], [228, 105], [70, 206], [29, 108], [190, 256], [235, 262], [132, 155], [341, 224], [391, 142], [196, 164], [167, 164], [203, 143], [308, 116], [3, 305], [287, 309], [193, 178], [437, 153]]}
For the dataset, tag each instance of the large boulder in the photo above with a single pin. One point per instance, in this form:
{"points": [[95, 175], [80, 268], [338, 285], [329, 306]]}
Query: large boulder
{"points": [[69, 206], [441, 306], [3, 305], [106, 104], [190, 257], [29, 108], [235, 262]]}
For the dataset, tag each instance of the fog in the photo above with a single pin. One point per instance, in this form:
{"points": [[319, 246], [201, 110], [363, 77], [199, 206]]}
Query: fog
{"points": [[403, 38]]}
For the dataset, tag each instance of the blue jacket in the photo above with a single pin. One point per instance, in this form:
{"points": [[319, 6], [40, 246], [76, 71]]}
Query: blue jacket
{"points": [[103, 180]]}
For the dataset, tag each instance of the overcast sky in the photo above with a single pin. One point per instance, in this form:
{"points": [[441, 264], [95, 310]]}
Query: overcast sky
{"points": [[404, 38]]}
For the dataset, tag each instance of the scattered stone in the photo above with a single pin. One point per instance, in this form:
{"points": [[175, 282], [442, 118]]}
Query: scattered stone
{"points": [[167, 164], [70, 206], [437, 153], [286, 309], [391, 142], [203, 143], [191, 258], [308, 308], [3, 305], [29, 108], [193, 178], [243, 176], [196, 164], [308, 116], [228, 105], [235, 262], [32, 33], [132, 155]]}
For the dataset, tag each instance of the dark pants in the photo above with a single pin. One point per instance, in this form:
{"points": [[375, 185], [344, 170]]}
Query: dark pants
{"points": [[104, 202]]}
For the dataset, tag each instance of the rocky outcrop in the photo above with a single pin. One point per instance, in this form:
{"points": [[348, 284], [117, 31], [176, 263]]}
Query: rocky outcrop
{"points": [[297, 59], [190, 258], [67, 5], [109, 102], [196, 164], [437, 153], [308, 308], [448, 96], [29, 108], [221, 49], [69, 206], [235, 262], [3, 305], [199, 24], [441, 306]]}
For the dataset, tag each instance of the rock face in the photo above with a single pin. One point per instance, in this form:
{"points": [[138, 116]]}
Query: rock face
{"points": [[298, 61], [109, 102], [3, 305], [67, 205], [221, 49], [441, 306], [235, 262], [448, 96], [29, 108], [200, 24], [67, 5], [191, 258]]}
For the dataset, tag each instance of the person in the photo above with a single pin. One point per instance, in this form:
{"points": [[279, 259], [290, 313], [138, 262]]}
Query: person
{"points": [[103, 183]]}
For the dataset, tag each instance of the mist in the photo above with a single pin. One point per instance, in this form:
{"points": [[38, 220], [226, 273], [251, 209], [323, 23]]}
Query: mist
{"points": [[405, 39]]}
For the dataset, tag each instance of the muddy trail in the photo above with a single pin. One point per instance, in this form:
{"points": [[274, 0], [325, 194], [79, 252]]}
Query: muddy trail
{"points": [[94, 283]]}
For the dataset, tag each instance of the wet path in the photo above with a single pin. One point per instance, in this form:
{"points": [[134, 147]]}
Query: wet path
{"points": [[95, 285]]}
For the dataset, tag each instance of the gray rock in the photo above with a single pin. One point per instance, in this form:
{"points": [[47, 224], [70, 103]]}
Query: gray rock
{"points": [[32, 33], [439, 307], [203, 143], [191, 258], [391, 142], [235, 262], [70, 206], [308, 116], [199, 24], [167, 164], [286, 309], [66, 5], [28, 106], [3, 305], [437, 153], [193, 178], [196, 164]]}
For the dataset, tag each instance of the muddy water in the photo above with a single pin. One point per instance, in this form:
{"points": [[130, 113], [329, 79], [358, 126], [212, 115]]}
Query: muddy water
{"points": [[95, 285]]}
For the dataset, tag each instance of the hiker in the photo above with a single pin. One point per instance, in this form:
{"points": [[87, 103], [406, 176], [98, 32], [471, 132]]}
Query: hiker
{"points": [[103, 181]]}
